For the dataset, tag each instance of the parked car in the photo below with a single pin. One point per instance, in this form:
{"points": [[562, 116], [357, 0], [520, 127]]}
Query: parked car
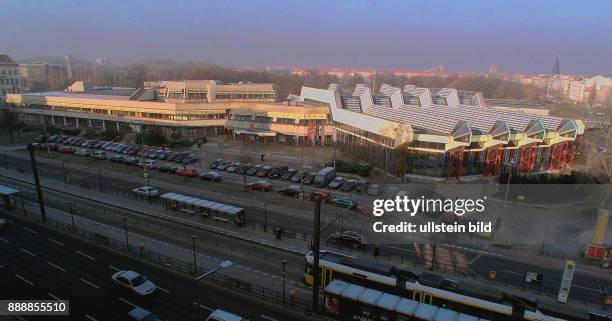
{"points": [[374, 190], [140, 314], [264, 171], [349, 185], [325, 197], [297, 177], [254, 170], [116, 159], [167, 169], [325, 176], [211, 176], [336, 182], [131, 161], [134, 282], [85, 152], [188, 172], [190, 159], [309, 179], [243, 168], [53, 147], [289, 174], [99, 154], [67, 150], [147, 163], [215, 163], [2, 223], [147, 191], [233, 168], [223, 166], [346, 202], [179, 157], [263, 186], [347, 238], [293, 191], [275, 172], [221, 315]]}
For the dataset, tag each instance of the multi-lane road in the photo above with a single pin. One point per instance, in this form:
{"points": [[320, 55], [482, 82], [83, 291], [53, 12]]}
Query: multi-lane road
{"points": [[586, 287], [37, 263]]}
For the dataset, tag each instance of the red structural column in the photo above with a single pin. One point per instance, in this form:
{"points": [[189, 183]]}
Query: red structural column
{"points": [[492, 161], [558, 157], [527, 158], [455, 162], [572, 156]]}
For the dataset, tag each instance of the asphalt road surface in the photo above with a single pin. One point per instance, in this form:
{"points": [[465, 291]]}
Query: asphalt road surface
{"points": [[36, 263]]}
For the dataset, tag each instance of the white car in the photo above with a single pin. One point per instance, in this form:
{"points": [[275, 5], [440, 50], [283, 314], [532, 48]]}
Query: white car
{"points": [[134, 281], [147, 191], [2, 223], [221, 315]]}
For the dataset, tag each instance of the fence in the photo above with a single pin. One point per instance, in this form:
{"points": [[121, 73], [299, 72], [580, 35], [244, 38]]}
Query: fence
{"points": [[218, 278], [255, 224]]}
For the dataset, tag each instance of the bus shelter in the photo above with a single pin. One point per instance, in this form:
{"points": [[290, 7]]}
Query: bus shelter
{"points": [[206, 208], [8, 197]]}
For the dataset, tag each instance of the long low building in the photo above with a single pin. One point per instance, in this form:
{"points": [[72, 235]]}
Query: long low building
{"points": [[436, 133], [421, 131]]}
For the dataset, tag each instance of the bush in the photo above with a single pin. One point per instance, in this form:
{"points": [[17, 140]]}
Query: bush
{"points": [[152, 139], [71, 131], [362, 170], [182, 143], [108, 134], [52, 130], [90, 133]]}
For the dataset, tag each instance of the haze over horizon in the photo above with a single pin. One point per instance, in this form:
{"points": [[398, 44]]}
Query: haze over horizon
{"points": [[518, 36]]}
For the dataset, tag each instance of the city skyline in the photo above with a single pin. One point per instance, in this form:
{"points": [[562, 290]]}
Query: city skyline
{"points": [[345, 35]]}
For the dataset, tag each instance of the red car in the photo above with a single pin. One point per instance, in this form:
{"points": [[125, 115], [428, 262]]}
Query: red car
{"points": [[260, 186], [264, 171], [325, 197], [188, 172], [67, 150]]}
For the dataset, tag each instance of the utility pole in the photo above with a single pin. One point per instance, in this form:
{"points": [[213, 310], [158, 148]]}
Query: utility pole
{"points": [[43, 213], [127, 242], [195, 263], [315, 251], [71, 216], [284, 277]]}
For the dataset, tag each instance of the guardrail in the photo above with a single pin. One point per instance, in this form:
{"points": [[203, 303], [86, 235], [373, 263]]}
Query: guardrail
{"points": [[218, 278]]}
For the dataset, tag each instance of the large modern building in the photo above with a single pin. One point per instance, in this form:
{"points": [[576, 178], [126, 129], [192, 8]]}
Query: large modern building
{"points": [[444, 132], [10, 81], [179, 108]]}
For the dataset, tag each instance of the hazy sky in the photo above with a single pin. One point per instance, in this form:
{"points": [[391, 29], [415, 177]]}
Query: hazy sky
{"points": [[466, 35]]}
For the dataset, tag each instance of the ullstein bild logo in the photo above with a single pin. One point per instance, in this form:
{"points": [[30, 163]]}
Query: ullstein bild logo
{"points": [[413, 206]]}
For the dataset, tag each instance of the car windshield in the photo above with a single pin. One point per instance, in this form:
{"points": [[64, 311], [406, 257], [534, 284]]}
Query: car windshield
{"points": [[138, 280]]}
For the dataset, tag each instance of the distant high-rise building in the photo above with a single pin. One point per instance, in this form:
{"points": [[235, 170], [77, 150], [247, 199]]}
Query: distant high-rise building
{"points": [[493, 68], [556, 69], [438, 69], [68, 62], [102, 61]]}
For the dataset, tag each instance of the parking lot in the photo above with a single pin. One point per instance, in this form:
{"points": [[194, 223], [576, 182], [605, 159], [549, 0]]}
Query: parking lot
{"points": [[342, 192]]}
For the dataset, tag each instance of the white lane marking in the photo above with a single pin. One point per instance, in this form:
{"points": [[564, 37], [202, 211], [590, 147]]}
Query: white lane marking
{"points": [[56, 266], [30, 230], [127, 302], [90, 317], [203, 306], [56, 242], [85, 255], [512, 272], [28, 252], [4, 240], [24, 279], [114, 268], [53, 296], [265, 317], [162, 289], [89, 283], [584, 287]]}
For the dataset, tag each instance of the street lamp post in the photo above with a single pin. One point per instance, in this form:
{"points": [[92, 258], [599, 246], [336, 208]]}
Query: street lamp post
{"points": [[127, 242], [71, 215], [284, 274], [195, 264], [223, 265], [509, 177]]}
